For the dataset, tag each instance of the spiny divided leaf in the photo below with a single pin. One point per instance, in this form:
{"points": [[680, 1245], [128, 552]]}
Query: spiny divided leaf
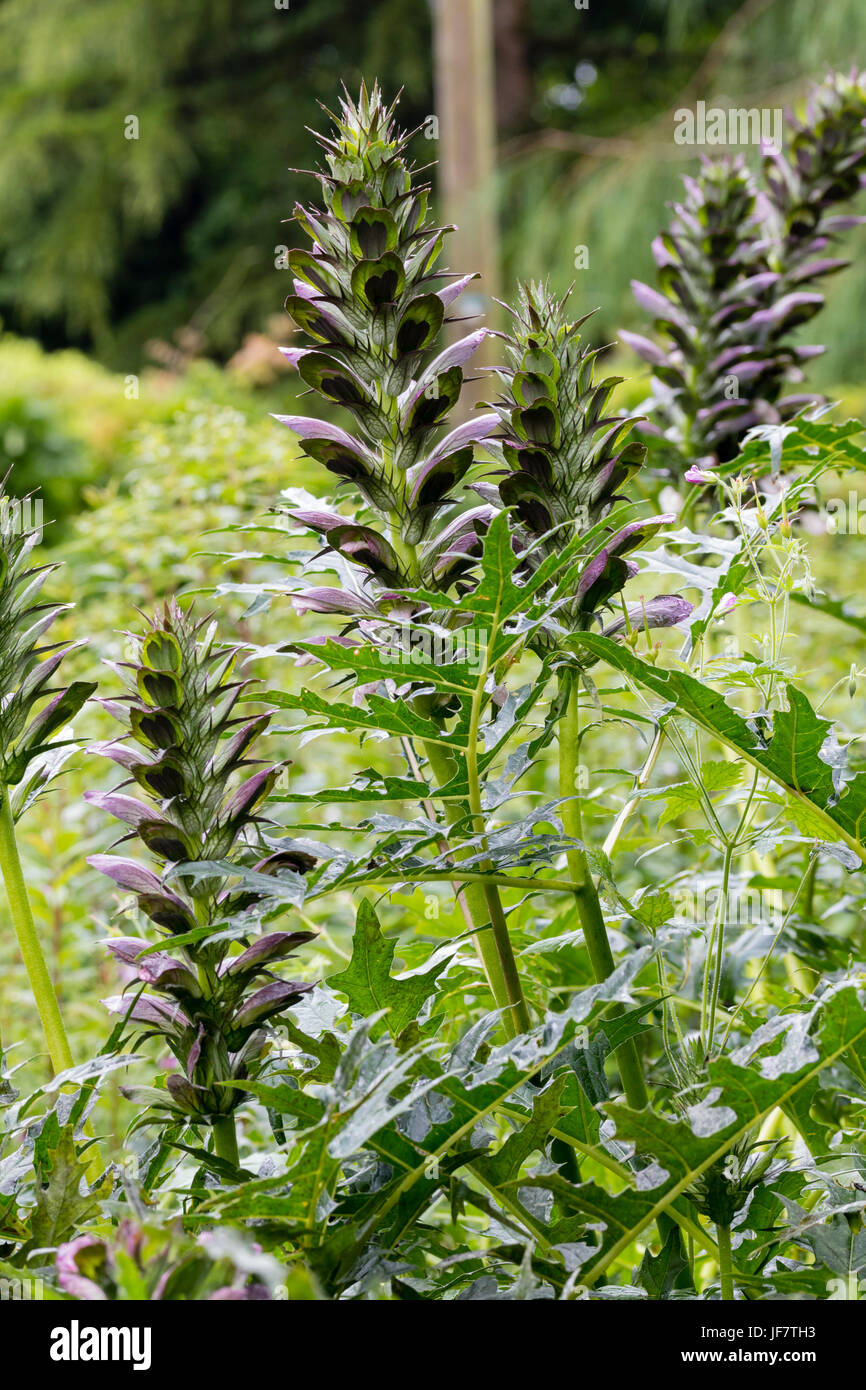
{"points": [[788, 753], [368, 984]]}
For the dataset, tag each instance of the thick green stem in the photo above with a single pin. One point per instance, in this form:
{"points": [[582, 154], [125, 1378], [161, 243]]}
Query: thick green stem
{"points": [[225, 1139], [518, 1011], [28, 941], [480, 902], [726, 1264], [482, 906], [586, 898], [809, 891]]}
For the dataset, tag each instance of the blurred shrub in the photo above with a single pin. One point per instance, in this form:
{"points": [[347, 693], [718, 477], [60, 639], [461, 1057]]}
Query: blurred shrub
{"points": [[69, 428], [34, 443], [142, 534], [60, 417]]}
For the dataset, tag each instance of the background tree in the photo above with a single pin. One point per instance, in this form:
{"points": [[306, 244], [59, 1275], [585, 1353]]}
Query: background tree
{"points": [[108, 240]]}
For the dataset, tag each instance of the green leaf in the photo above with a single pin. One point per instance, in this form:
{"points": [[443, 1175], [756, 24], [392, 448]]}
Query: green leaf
{"points": [[325, 1049], [788, 753], [390, 663], [474, 1091], [389, 716], [504, 1166], [655, 909], [64, 1201], [668, 1270], [803, 444], [679, 798], [718, 775], [367, 982], [743, 1096], [368, 786]]}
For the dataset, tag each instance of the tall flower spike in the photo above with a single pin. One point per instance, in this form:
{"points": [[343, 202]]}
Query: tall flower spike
{"points": [[565, 457], [712, 274], [370, 298], [33, 711], [184, 746], [825, 166], [738, 271]]}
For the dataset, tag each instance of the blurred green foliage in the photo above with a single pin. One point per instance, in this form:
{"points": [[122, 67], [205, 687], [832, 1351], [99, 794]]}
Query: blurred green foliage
{"points": [[108, 242], [147, 150]]}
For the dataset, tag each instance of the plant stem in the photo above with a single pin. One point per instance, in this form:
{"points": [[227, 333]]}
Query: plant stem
{"points": [[715, 961], [480, 902], [457, 884], [514, 989], [28, 940], [482, 905], [809, 896], [518, 1010], [586, 897], [726, 1266], [642, 780], [225, 1139]]}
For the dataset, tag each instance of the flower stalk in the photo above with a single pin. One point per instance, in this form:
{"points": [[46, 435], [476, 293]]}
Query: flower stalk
{"points": [[33, 717], [586, 898], [564, 459], [493, 949], [726, 1264], [371, 301], [29, 945]]}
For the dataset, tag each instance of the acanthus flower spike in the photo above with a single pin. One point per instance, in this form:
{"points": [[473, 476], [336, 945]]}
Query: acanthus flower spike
{"points": [[191, 760], [34, 715], [565, 456], [369, 294], [740, 268]]}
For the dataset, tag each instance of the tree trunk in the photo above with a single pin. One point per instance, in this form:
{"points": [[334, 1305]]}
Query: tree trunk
{"points": [[465, 111], [513, 81]]}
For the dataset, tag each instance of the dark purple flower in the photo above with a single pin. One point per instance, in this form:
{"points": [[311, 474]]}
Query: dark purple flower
{"points": [[275, 946], [667, 610], [329, 601], [267, 1001], [125, 808], [126, 873], [154, 1013]]}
